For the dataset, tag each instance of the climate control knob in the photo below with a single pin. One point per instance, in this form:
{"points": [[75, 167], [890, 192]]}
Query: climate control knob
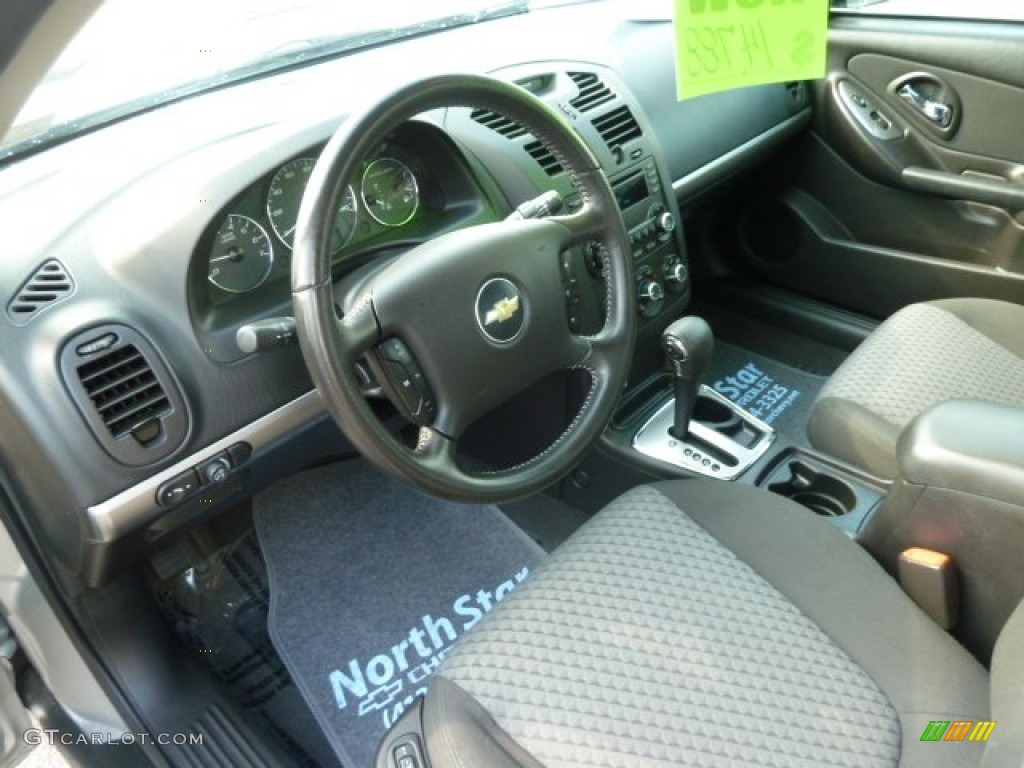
{"points": [[666, 222], [650, 295], [676, 274]]}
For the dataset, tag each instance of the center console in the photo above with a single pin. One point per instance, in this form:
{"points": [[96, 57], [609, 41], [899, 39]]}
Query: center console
{"points": [[610, 120]]}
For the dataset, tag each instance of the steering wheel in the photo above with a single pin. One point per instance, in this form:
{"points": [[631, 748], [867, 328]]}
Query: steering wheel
{"points": [[463, 322]]}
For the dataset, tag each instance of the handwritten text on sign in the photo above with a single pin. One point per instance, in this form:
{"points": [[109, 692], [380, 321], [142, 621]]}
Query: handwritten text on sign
{"points": [[724, 44]]}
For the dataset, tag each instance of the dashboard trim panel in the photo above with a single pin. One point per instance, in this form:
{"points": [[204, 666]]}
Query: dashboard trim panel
{"points": [[136, 506], [721, 168]]}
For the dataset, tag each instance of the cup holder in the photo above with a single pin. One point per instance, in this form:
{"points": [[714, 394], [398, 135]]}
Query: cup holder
{"points": [[717, 415], [821, 493]]}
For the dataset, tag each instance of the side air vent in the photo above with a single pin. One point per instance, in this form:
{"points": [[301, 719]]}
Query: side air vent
{"points": [[617, 127], [593, 92], [48, 285], [498, 123], [124, 390], [543, 156], [126, 393]]}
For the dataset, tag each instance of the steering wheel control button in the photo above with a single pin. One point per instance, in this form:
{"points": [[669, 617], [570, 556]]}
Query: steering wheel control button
{"points": [[176, 490], [500, 313], [407, 381]]}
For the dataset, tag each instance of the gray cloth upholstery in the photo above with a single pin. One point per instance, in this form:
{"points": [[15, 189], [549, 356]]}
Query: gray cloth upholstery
{"points": [[921, 356], [744, 632], [1006, 746]]}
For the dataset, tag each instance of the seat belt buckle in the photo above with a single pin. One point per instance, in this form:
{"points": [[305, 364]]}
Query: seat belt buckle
{"points": [[930, 579]]}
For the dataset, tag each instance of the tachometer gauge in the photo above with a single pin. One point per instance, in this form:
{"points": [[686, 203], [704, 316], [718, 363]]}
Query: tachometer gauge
{"points": [[241, 256], [285, 196], [390, 191]]}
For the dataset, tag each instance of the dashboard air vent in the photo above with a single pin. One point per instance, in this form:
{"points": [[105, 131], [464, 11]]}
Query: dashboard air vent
{"points": [[593, 92], [126, 393], [498, 123], [617, 127], [47, 285], [543, 156], [124, 390]]}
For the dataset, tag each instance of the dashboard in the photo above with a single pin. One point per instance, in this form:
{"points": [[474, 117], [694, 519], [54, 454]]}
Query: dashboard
{"points": [[128, 408], [413, 187]]}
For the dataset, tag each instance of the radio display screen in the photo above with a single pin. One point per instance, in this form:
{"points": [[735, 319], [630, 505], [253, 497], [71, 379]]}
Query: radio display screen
{"points": [[631, 191]]}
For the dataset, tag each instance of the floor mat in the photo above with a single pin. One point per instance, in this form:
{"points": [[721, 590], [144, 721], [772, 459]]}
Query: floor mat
{"points": [[776, 393], [795, 350], [370, 584], [217, 603]]}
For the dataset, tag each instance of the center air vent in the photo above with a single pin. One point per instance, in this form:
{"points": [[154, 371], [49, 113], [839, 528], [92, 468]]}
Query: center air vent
{"points": [[47, 285], [543, 156], [617, 127], [126, 393], [593, 92], [498, 123]]}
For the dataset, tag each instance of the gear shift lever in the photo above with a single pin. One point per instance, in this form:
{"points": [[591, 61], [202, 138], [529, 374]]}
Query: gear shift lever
{"points": [[688, 343]]}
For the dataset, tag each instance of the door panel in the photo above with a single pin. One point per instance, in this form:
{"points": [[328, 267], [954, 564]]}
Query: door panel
{"points": [[911, 185]]}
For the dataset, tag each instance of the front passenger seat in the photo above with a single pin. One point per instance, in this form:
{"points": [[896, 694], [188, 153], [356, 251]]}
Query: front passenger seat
{"points": [[921, 356], [698, 622]]}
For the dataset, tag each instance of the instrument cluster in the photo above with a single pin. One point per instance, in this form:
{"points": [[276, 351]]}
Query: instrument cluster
{"points": [[253, 238]]}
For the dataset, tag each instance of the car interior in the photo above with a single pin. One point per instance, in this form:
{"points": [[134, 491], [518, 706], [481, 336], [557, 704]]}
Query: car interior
{"points": [[707, 411]]}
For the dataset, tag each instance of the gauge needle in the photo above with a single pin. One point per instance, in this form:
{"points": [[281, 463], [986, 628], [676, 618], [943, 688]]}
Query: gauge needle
{"points": [[289, 232], [234, 256]]}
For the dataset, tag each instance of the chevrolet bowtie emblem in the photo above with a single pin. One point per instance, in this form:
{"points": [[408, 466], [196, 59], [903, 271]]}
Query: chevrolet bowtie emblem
{"points": [[502, 311]]}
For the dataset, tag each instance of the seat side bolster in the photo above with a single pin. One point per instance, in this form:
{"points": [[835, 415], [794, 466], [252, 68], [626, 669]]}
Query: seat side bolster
{"points": [[460, 734], [1006, 746], [836, 584]]}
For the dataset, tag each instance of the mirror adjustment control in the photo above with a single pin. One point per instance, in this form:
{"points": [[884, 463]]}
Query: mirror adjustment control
{"points": [[407, 381]]}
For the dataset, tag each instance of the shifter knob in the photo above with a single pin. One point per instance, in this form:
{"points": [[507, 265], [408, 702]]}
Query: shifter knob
{"points": [[688, 344]]}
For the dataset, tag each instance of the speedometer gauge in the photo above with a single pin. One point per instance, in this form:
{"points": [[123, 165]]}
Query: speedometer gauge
{"points": [[390, 191], [285, 196], [241, 255]]}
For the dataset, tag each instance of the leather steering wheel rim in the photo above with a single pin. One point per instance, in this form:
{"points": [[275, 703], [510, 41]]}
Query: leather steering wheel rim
{"points": [[450, 269]]}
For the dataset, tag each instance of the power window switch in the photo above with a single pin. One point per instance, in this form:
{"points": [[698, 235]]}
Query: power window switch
{"points": [[406, 755]]}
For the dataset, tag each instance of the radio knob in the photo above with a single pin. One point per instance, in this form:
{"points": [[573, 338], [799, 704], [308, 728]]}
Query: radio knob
{"points": [[666, 222]]}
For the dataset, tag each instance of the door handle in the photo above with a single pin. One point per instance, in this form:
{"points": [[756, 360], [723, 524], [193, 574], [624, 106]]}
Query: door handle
{"points": [[937, 112]]}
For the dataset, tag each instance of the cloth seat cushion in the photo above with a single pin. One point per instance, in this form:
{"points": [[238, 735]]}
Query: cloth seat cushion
{"points": [[921, 356], [745, 631]]}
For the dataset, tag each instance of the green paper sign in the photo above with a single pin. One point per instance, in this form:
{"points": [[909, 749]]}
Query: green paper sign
{"points": [[724, 44]]}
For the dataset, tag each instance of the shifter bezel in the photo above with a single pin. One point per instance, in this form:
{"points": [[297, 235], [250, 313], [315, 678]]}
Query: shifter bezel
{"points": [[705, 450]]}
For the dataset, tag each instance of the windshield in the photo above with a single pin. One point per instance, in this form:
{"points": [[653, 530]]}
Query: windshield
{"points": [[133, 55]]}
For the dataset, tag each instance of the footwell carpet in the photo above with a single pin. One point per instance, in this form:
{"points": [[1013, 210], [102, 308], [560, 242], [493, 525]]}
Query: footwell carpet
{"points": [[772, 391], [370, 584]]}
